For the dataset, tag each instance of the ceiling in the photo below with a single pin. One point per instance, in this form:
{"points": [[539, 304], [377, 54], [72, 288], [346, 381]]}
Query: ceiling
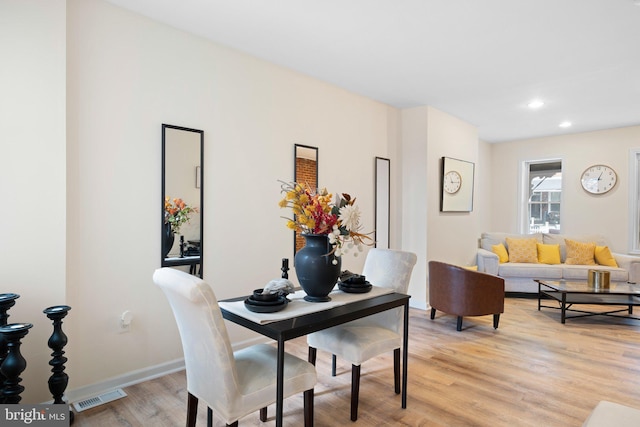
{"points": [[482, 61]]}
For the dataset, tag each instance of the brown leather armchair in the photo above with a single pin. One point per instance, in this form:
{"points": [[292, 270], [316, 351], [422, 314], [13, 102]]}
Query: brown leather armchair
{"points": [[462, 292]]}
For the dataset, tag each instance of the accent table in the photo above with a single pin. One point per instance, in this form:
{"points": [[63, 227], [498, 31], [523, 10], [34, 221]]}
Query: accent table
{"points": [[323, 318], [570, 293]]}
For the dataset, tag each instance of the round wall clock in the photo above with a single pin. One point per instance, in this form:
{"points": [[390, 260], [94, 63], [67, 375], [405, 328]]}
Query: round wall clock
{"points": [[598, 179], [452, 182]]}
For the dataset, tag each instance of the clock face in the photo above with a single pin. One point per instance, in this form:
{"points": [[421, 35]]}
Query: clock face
{"points": [[452, 182], [598, 179]]}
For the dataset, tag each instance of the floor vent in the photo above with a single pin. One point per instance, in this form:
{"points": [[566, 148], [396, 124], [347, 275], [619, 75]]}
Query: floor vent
{"points": [[92, 402]]}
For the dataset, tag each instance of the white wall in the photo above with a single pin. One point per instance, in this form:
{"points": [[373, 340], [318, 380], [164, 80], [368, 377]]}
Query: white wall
{"points": [[124, 76], [581, 213], [452, 236], [415, 190], [127, 75], [428, 135], [32, 174]]}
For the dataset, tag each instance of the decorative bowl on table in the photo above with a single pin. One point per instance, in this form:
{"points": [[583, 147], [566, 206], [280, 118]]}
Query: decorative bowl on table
{"points": [[259, 296], [355, 284], [258, 306]]}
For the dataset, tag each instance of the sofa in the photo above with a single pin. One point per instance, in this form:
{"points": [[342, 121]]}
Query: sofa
{"points": [[547, 263]]}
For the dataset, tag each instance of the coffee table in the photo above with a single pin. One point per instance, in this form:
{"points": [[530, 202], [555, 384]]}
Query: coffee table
{"points": [[570, 293]]}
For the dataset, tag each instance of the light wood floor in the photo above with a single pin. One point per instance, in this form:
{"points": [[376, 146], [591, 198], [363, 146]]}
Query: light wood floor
{"points": [[531, 371]]}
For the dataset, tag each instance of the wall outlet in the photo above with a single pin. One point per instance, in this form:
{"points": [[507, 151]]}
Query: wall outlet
{"points": [[125, 321]]}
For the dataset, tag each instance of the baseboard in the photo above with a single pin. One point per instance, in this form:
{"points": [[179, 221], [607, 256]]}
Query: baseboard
{"points": [[125, 380], [141, 375], [530, 295], [421, 305]]}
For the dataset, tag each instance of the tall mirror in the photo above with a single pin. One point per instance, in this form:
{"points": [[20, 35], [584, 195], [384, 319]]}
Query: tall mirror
{"points": [[182, 197], [383, 204], [305, 169]]}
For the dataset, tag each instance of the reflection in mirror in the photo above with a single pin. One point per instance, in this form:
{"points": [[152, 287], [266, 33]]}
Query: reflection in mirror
{"points": [[305, 172], [182, 197], [383, 181]]}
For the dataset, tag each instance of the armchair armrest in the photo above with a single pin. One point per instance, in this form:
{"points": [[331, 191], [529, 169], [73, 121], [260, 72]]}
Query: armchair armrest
{"points": [[488, 262], [630, 263]]}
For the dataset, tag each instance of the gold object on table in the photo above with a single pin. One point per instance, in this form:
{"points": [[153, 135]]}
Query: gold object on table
{"points": [[599, 279]]}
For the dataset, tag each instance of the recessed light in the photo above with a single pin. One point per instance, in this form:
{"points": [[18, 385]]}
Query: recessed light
{"points": [[536, 103], [565, 124]]}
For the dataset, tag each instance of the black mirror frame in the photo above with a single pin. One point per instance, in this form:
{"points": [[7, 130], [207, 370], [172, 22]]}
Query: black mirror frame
{"points": [[295, 175], [193, 262], [382, 211]]}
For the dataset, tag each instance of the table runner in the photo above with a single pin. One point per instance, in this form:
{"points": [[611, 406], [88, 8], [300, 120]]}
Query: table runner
{"points": [[298, 306]]}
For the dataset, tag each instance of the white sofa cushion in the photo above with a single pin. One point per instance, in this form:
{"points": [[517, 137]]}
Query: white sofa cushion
{"points": [[608, 414], [533, 271], [493, 238], [580, 272]]}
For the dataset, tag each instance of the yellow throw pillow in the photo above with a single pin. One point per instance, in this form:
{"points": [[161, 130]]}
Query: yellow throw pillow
{"points": [[471, 267], [501, 251], [580, 253], [604, 257], [523, 250], [548, 254]]}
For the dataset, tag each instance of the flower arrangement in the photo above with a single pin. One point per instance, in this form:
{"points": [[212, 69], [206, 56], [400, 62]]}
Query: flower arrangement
{"points": [[176, 213], [315, 213]]}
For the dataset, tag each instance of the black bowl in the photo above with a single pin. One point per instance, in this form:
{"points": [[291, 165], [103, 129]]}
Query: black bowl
{"points": [[280, 300], [259, 296], [356, 279], [265, 307], [354, 289]]}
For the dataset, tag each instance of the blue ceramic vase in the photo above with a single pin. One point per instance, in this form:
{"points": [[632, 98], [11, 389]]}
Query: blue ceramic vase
{"points": [[315, 269]]}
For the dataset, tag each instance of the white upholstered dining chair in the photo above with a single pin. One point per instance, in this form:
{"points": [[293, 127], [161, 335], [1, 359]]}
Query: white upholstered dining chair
{"points": [[365, 338], [233, 384]]}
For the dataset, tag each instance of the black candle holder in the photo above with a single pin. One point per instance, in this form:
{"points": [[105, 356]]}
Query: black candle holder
{"points": [[59, 379], [285, 268], [7, 301], [14, 363]]}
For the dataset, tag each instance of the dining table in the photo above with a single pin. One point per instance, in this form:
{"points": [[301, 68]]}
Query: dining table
{"points": [[301, 317]]}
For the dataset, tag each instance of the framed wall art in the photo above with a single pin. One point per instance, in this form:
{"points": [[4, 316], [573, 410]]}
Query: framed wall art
{"points": [[456, 185]]}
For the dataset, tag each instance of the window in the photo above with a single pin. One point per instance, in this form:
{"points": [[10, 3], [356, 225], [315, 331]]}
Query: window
{"points": [[544, 194]]}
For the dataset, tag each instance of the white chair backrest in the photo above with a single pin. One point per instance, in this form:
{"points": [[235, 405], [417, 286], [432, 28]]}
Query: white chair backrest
{"points": [[209, 360], [389, 268]]}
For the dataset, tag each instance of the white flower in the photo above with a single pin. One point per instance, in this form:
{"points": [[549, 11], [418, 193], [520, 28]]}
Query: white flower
{"points": [[350, 217]]}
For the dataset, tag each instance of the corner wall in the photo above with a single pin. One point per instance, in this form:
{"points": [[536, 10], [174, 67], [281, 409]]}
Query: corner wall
{"points": [[581, 213], [428, 135]]}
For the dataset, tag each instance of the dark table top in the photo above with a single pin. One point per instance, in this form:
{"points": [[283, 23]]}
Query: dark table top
{"points": [[305, 324]]}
